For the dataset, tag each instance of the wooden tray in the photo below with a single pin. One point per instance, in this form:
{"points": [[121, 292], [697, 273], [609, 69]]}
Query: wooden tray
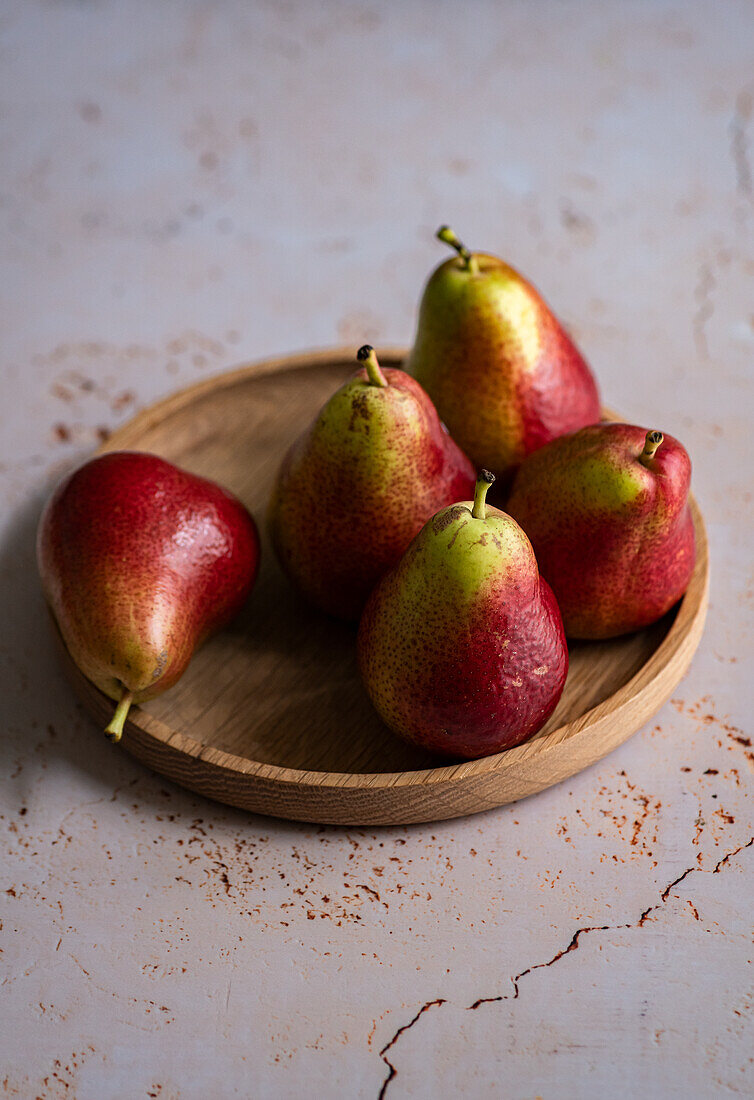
{"points": [[271, 715]]}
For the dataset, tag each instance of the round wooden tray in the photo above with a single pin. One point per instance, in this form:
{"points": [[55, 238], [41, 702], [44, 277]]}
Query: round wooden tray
{"points": [[271, 715]]}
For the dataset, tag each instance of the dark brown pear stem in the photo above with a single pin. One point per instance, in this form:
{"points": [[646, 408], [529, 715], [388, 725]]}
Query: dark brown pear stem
{"points": [[483, 482], [368, 357], [447, 236], [114, 729], [651, 443]]}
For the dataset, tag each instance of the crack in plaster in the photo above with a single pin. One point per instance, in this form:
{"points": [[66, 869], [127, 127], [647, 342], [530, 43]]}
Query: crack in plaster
{"points": [[571, 946], [721, 863], [393, 1071]]}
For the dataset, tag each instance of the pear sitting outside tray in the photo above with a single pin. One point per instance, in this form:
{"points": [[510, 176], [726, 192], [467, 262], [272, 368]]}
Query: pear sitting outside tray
{"points": [[359, 484], [504, 375], [607, 511], [141, 561], [461, 646]]}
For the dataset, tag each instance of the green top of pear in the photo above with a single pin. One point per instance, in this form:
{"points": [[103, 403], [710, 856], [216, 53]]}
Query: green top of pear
{"points": [[600, 469], [480, 297], [469, 548], [358, 426], [607, 483]]}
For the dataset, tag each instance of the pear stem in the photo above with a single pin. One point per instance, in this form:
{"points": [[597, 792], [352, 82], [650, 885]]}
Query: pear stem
{"points": [[114, 729], [447, 236], [651, 443], [483, 482], [368, 357]]}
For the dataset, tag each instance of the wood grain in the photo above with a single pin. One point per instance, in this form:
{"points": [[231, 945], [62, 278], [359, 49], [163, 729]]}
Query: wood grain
{"points": [[271, 715]]}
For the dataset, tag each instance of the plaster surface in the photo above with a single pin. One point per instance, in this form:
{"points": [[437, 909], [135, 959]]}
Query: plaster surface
{"points": [[184, 187]]}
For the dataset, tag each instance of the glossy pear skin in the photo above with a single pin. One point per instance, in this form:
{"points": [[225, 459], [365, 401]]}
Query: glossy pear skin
{"points": [[461, 646], [140, 561], [614, 537], [504, 375], [358, 485]]}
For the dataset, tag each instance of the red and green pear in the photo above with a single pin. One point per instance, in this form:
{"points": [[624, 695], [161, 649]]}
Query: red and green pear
{"points": [[607, 512], [461, 645], [504, 375], [358, 485], [140, 562]]}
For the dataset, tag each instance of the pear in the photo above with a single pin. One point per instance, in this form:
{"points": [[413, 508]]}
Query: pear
{"points": [[504, 375], [461, 645], [356, 487], [141, 561], [607, 511]]}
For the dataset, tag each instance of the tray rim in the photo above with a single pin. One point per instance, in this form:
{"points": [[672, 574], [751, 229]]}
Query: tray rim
{"points": [[688, 625]]}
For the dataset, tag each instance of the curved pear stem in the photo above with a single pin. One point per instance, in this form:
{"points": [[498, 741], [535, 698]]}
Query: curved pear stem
{"points": [[368, 357], [483, 482], [447, 236], [114, 729], [651, 444]]}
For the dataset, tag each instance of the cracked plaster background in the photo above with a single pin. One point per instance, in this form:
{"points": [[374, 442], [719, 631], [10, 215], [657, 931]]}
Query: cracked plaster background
{"points": [[186, 186]]}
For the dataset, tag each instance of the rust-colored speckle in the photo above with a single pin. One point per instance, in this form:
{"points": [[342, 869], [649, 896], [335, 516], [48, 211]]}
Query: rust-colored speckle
{"points": [[121, 400], [61, 392]]}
